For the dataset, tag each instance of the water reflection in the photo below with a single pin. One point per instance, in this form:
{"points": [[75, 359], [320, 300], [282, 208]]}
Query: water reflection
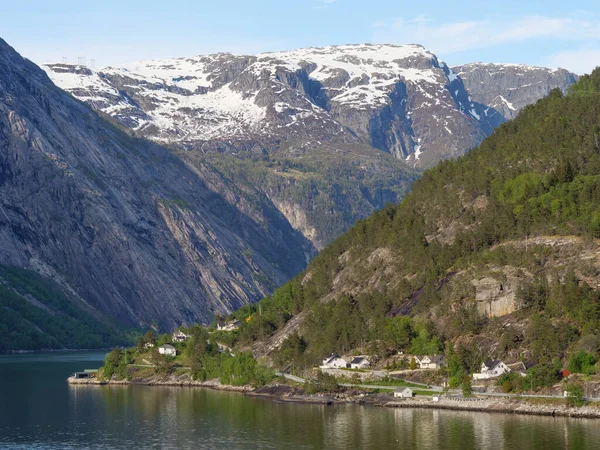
{"points": [[39, 410], [174, 417]]}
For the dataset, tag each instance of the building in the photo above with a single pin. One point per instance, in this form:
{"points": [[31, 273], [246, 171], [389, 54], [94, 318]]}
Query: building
{"points": [[228, 326], [180, 336], [334, 361], [167, 349], [435, 398], [149, 345], [360, 362], [80, 375], [429, 361], [490, 369], [403, 392]]}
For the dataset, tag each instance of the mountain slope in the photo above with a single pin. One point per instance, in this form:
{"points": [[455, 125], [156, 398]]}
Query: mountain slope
{"points": [[128, 226], [399, 99], [507, 88], [367, 111], [497, 251], [38, 314]]}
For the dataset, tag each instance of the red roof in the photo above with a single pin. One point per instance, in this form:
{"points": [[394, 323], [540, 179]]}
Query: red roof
{"points": [[564, 373]]}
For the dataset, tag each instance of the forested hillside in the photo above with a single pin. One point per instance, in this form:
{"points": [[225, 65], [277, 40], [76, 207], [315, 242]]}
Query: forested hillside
{"points": [[36, 313], [495, 252]]}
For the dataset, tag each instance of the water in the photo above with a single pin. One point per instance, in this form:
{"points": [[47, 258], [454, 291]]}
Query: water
{"points": [[38, 409]]}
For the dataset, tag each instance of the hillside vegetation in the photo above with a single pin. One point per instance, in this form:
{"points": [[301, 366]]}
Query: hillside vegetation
{"points": [[36, 314], [493, 254]]}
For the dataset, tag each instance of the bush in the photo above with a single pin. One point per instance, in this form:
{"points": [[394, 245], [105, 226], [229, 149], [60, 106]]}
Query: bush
{"points": [[467, 389], [575, 394], [582, 362], [323, 383]]}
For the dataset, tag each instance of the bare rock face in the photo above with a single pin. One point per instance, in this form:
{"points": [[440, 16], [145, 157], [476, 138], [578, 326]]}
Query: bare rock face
{"points": [[399, 99], [496, 292], [125, 224], [507, 88]]}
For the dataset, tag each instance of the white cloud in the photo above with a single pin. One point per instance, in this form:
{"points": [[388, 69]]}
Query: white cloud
{"points": [[580, 61], [452, 37]]}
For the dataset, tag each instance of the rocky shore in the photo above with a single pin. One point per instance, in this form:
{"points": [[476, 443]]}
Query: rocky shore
{"points": [[157, 380], [290, 394], [505, 406]]}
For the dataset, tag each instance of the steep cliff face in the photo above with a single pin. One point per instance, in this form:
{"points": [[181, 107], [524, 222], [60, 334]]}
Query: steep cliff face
{"points": [[310, 108], [399, 99], [508, 88], [125, 224]]}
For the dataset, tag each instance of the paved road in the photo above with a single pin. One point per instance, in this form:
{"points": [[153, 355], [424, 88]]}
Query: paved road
{"points": [[291, 377], [364, 386], [432, 389], [490, 394]]}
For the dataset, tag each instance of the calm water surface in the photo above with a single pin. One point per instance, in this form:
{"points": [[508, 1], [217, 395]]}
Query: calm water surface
{"points": [[38, 409]]}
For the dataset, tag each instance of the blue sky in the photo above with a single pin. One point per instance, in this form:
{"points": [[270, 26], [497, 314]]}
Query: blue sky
{"points": [[549, 33]]}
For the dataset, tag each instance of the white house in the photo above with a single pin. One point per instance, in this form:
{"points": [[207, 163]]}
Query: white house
{"points": [[229, 326], [167, 349], [149, 345], [490, 369], [403, 392], [360, 362], [180, 336], [430, 361], [334, 361]]}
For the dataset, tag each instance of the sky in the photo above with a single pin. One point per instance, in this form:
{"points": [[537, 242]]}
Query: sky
{"points": [[545, 33]]}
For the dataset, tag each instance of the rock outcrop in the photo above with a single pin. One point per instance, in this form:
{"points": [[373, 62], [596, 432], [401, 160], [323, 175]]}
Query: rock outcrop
{"points": [[507, 88], [140, 234]]}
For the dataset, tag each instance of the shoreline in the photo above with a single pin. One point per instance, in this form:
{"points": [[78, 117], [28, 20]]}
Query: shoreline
{"points": [[54, 350], [287, 394]]}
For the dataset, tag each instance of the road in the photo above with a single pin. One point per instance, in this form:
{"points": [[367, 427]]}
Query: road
{"points": [[364, 386], [432, 389]]}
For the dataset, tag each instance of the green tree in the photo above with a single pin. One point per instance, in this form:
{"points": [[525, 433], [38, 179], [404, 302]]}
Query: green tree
{"points": [[467, 390], [413, 364], [111, 362], [575, 395]]}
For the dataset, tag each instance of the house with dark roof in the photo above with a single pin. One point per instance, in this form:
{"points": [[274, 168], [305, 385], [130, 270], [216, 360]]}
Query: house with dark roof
{"points": [[492, 368], [180, 336], [429, 361], [360, 362], [333, 361]]}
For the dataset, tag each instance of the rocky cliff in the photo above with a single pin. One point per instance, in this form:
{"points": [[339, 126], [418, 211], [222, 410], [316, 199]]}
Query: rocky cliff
{"points": [[508, 88], [369, 112], [123, 223], [399, 99]]}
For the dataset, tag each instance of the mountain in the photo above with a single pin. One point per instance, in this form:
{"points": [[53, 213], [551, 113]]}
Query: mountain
{"points": [[399, 99], [507, 88], [123, 224], [286, 125], [494, 254], [38, 314]]}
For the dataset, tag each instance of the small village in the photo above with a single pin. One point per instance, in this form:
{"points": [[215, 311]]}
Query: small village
{"points": [[401, 377]]}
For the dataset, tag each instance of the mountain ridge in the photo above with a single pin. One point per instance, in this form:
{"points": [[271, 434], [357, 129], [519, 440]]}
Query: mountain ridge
{"points": [[139, 233], [305, 108]]}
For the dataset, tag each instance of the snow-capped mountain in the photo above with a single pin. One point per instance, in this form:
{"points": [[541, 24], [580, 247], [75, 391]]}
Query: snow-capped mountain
{"points": [[508, 88], [399, 99]]}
